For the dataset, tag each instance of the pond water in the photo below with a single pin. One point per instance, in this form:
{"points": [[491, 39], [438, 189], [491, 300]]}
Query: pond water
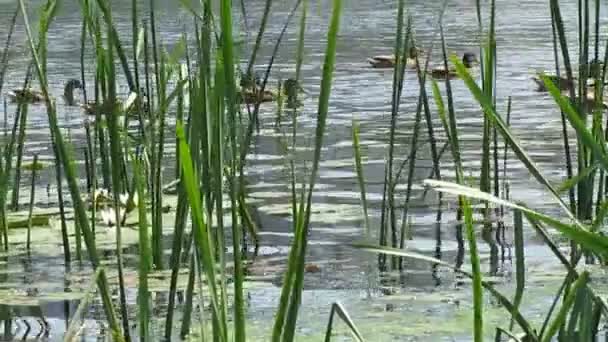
{"points": [[427, 305]]}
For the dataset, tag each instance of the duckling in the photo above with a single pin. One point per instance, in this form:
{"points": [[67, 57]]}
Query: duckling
{"points": [[562, 82], [249, 81], [251, 96], [594, 68], [29, 95], [291, 89], [250, 90], [469, 60], [25, 95], [128, 107], [389, 61], [589, 103], [68, 91]]}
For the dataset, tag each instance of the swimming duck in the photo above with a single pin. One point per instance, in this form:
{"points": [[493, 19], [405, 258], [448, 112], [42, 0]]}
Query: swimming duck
{"points": [[594, 68], [251, 80], [128, 107], [68, 91], [589, 103], [250, 90], [562, 82], [25, 95], [388, 61], [251, 96], [469, 60], [291, 89], [29, 95]]}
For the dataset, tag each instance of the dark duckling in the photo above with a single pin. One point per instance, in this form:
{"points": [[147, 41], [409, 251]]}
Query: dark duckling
{"points": [[469, 60], [562, 83]]}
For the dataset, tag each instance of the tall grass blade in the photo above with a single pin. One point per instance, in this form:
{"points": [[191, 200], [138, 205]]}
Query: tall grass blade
{"points": [[488, 110], [32, 198], [521, 321], [575, 231], [520, 266], [361, 178], [565, 308], [7, 44], [338, 309], [145, 256], [201, 232], [68, 167], [228, 59], [286, 328]]}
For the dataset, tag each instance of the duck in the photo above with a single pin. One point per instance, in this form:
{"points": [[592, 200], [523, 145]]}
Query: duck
{"points": [[469, 60], [589, 103], [29, 95], [252, 96], [562, 82], [128, 107], [389, 61], [291, 88], [250, 80], [68, 91], [25, 95], [594, 68], [251, 93]]}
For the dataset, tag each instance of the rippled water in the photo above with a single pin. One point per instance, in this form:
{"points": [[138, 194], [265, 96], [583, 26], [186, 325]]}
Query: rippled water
{"points": [[359, 92]]}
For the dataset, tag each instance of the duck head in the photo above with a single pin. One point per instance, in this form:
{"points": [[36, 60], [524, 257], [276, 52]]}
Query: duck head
{"points": [[292, 86], [414, 51], [469, 59], [68, 91], [249, 80], [595, 68]]}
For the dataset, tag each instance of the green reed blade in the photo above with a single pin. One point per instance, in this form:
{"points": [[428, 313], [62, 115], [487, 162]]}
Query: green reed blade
{"points": [[104, 6], [201, 234], [228, 55], [476, 271], [68, 166], [118, 186], [73, 328], [23, 108], [259, 37], [401, 52], [575, 231], [288, 277], [31, 206], [248, 221], [295, 289], [488, 110], [521, 321], [186, 318], [361, 178], [253, 117], [338, 309], [565, 308], [573, 181], [512, 337], [9, 37], [587, 138], [600, 216], [145, 255], [520, 266], [554, 247]]}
